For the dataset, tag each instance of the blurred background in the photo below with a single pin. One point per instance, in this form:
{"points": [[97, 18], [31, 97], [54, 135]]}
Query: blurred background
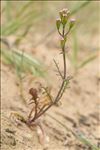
{"points": [[31, 24], [29, 42]]}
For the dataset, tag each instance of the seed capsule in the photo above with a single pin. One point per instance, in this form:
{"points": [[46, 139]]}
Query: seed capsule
{"points": [[64, 19], [72, 22], [58, 23]]}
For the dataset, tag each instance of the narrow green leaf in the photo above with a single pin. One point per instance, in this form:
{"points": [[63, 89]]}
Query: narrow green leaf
{"points": [[79, 6], [86, 61], [86, 141], [75, 49], [29, 64]]}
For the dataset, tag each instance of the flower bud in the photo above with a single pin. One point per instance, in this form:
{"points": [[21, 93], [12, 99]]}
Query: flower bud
{"points": [[72, 22], [64, 19], [64, 15], [68, 14], [58, 23], [64, 11], [61, 14]]}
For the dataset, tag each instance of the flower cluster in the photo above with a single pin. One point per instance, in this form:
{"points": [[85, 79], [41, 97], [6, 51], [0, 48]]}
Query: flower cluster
{"points": [[62, 21], [64, 17]]}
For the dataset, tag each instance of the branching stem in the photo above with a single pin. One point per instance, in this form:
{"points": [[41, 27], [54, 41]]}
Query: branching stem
{"points": [[60, 93], [65, 80]]}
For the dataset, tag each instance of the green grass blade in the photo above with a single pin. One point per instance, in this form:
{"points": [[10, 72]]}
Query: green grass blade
{"points": [[19, 23], [75, 49], [8, 10], [10, 27], [24, 8], [79, 6], [76, 9], [30, 64], [23, 18], [88, 60], [86, 141]]}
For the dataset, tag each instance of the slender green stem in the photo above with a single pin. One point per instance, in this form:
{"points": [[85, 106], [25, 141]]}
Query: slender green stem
{"points": [[59, 94], [59, 22]]}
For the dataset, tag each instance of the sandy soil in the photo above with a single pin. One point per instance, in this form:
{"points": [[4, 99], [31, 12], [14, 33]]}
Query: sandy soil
{"points": [[78, 111]]}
